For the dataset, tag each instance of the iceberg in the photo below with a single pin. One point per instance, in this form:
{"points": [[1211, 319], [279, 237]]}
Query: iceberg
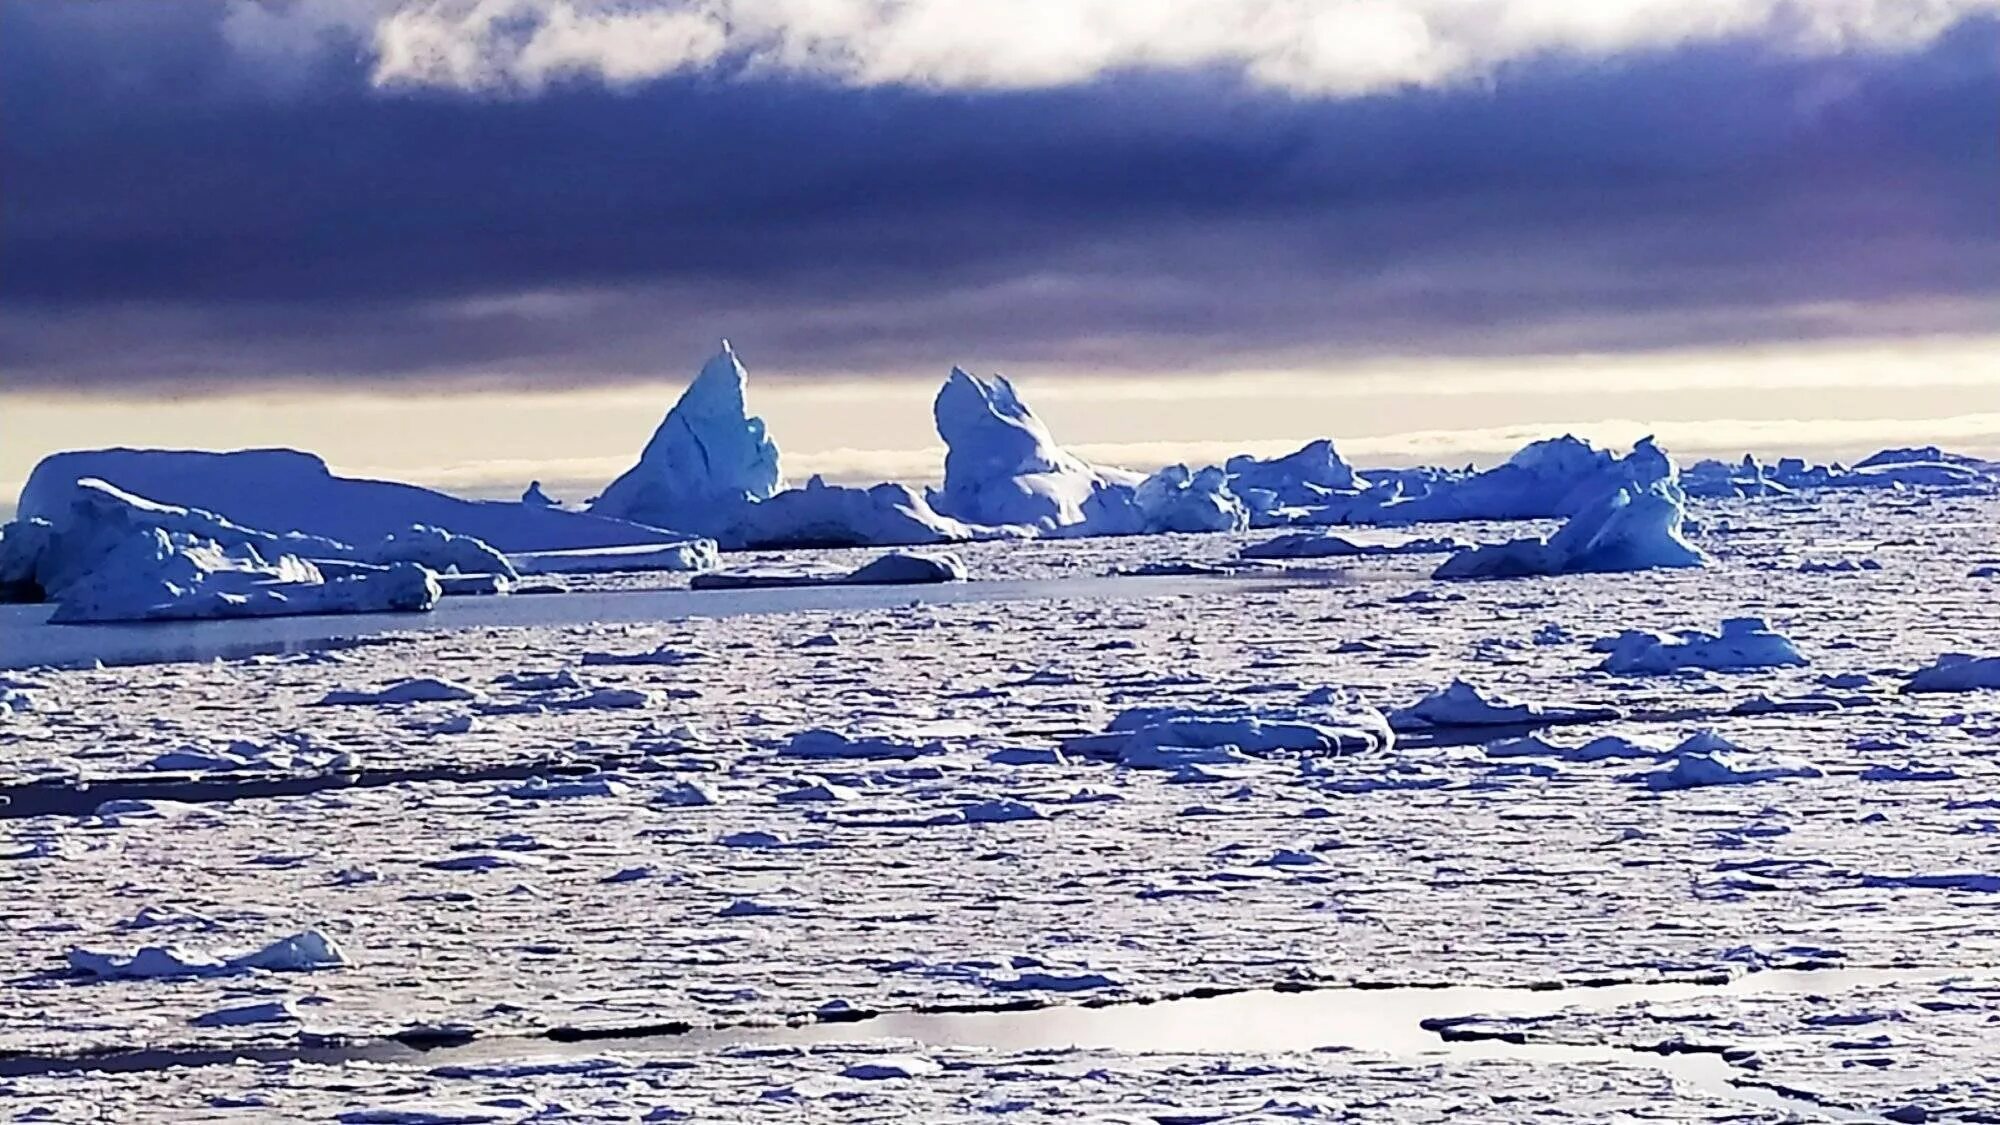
{"points": [[1003, 470], [708, 459], [827, 515], [1001, 464], [286, 491], [119, 557], [1633, 526]]}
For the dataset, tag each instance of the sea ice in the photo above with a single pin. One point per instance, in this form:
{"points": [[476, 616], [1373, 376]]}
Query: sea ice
{"points": [[1706, 759]]}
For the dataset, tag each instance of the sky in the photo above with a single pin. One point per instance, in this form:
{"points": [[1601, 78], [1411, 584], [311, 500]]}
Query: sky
{"points": [[473, 241]]}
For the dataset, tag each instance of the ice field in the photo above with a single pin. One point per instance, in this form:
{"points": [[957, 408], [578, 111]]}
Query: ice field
{"points": [[512, 839]]}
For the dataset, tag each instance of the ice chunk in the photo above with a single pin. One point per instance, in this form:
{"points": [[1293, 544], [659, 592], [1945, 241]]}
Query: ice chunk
{"points": [[1164, 738], [421, 690], [828, 744], [534, 497], [302, 952], [1460, 704], [1956, 671], [708, 459], [1706, 759], [1744, 643], [898, 568], [1320, 545]]}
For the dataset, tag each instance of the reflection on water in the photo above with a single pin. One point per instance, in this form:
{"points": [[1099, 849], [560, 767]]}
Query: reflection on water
{"points": [[28, 640]]}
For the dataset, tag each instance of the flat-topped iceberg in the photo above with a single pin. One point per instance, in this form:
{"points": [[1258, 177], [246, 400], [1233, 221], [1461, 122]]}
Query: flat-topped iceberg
{"points": [[118, 557], [708, 459], [285, 491]]}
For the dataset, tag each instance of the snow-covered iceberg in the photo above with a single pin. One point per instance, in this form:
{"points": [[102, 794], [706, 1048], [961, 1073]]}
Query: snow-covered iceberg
{"points": [[284, 490], [1002, 468], [708, 460], [1310, 476], [118, 557], [1001, 464], [1635, 525]]}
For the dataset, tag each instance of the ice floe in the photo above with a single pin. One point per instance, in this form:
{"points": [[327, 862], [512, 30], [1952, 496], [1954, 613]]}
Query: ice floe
{"points": [[1956, 671], [898, 568], [1744, 643], [306, 951]]}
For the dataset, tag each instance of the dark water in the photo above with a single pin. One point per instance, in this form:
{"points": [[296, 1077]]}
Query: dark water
{"points": [[1377, 1021]]}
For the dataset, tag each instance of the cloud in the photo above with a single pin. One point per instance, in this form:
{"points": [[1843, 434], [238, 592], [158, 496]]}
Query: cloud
{"points": [[1309, 48], [204, 195]]}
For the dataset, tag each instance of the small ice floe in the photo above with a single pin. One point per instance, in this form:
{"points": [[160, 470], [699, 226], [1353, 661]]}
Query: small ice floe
{"points": [[816, 790], [1909, 771], [1325, 545], [1027, 756], [1171, 737], [247, 1015], [551, 789], [1744, 643], [422, 690], [1608, 747], [1976, 882], [766, 841], [1462, 705], [1956, 671], [665, 656], [1758, 956], [306, 951], [1838, 566], [13, 701], [1045, 981], [827, 744], [685, 794], [1707, 759], [438, 1111], [897, 568], [891, 1067], [245, 756]]}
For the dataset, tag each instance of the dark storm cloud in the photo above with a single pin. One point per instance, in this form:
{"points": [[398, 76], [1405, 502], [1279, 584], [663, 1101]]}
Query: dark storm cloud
{"points": [[169, 213]]}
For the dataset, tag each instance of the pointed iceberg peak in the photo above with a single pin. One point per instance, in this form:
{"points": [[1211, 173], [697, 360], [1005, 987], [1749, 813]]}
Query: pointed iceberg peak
{"points": [[708, 458]]}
